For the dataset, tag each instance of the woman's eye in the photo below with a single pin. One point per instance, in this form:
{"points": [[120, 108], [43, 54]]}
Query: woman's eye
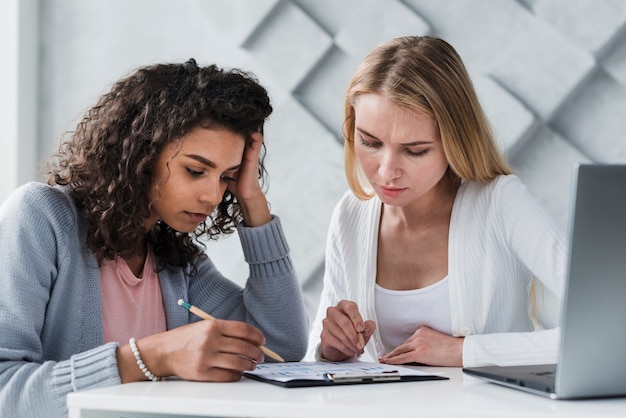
{"points": [[227, 178], [417, 153], [369, 144], [194, 172]]}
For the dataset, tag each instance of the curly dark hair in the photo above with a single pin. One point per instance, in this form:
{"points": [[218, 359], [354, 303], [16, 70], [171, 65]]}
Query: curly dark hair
{"points": [[107, 161]]}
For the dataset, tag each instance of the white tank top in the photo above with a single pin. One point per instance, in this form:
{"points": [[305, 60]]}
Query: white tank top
{"points": [[401, 312]]}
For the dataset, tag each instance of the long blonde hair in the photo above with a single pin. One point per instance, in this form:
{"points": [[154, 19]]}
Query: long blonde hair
{"points": [[426, 75]]}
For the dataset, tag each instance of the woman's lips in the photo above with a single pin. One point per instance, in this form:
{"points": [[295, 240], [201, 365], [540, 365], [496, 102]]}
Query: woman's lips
{"points": [[197, 217], [391, 191]]}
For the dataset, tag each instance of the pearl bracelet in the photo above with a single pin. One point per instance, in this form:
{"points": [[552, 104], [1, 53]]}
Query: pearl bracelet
{"points": [[144, 369]]}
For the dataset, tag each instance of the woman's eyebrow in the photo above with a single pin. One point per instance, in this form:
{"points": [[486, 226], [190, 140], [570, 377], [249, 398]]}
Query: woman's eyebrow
{"points": [[408, 144], [208, 162], [364, 132], [416, 143]]}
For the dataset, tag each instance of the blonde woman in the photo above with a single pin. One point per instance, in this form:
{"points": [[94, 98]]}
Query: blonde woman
{"points": [[432, 255]]}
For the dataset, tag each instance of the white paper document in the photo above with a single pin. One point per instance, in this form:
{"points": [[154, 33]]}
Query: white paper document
{"points": [[323, 372]]}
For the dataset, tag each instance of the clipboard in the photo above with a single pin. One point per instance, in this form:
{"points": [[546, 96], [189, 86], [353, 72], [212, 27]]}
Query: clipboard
{"points": [[309, 374]]}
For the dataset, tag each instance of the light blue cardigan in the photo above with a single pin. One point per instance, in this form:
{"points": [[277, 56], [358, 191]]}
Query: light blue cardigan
{"points": [[51, 334]]}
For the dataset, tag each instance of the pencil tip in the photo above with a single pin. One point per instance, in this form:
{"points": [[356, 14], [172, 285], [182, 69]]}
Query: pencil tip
{"points": [[180, 302]]}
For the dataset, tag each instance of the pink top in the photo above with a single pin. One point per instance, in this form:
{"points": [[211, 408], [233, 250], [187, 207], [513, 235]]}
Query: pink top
{"points": [[131, 306]]}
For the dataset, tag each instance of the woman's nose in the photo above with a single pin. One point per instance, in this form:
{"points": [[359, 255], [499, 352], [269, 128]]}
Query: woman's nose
{"points": [[389, 167], [212, 191]]}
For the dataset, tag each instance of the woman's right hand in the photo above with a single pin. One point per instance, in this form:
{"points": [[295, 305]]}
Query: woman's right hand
{"points": [[209, 350], [340, 332]]}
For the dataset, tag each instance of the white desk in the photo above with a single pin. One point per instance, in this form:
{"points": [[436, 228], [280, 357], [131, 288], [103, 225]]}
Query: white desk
{"points": [[462, 395]]}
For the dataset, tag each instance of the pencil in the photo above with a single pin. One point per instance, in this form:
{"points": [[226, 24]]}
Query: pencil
{"points": [[200, 313]]}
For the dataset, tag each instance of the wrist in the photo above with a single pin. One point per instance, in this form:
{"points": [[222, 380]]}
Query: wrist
{"points": [[127, 364], [139, 361], [255, 211]]}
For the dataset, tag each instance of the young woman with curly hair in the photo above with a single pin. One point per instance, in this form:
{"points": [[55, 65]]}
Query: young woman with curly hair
{"points": [[93, 263]]}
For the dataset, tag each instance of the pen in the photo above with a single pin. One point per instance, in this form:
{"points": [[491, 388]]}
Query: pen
{"points": [[361, 340], [199, 312]]}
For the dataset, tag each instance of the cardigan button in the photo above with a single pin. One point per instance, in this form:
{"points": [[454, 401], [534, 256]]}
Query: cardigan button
{"points": [[465, 331]]}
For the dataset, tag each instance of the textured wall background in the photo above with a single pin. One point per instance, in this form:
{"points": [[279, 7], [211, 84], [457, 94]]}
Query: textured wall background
{"points": [[550, 73]]}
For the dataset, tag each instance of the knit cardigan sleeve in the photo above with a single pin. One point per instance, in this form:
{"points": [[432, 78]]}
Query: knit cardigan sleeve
{"points": [[350, 266], [333, 289], [36, 371], [503, 242], [272, 297]]}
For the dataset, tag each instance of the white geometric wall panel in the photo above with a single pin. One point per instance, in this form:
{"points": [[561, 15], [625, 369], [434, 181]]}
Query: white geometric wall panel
{"points": [[551, 75]]}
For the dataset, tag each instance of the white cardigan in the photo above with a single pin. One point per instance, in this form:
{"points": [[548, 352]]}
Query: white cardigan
{"points": [[500, 237]]}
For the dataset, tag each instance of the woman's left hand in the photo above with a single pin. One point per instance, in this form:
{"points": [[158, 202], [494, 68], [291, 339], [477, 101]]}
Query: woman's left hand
{"points": [[247, 188], [427, 346]]}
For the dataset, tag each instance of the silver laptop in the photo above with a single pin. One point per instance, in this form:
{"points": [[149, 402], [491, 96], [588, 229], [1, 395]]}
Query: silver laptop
{"points": [[592, 357]]}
